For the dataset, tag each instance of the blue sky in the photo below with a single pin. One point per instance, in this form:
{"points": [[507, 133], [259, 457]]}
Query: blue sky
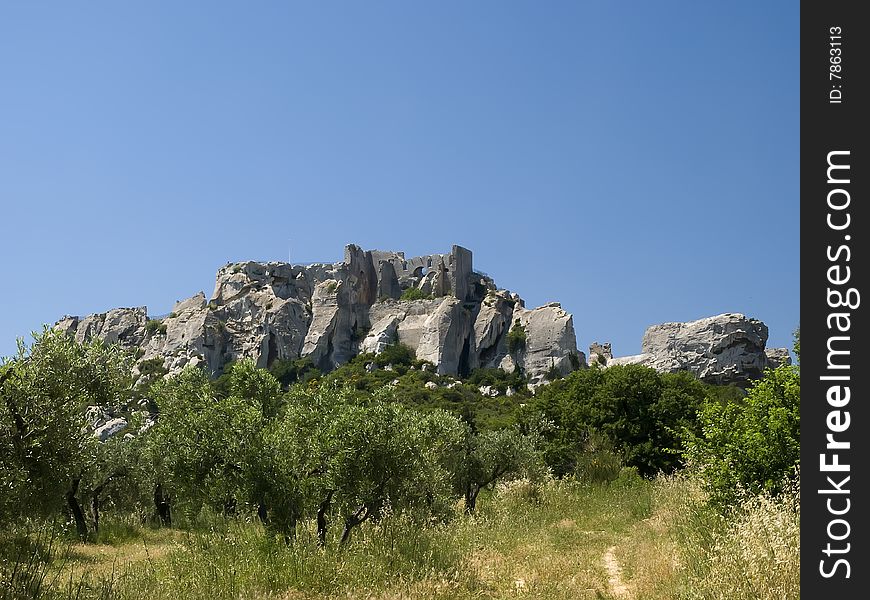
{"points": [[636, 161]]}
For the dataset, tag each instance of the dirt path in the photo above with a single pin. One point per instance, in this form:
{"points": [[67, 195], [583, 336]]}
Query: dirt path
{"points": [[614, 572]]}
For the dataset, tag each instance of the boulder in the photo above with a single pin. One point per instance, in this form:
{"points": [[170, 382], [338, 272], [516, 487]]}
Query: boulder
{"points": [[723, 349], [110, 428], [382, 333]]}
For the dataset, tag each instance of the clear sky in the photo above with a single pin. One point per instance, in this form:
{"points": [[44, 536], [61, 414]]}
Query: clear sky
{"points": [[637, 161]]}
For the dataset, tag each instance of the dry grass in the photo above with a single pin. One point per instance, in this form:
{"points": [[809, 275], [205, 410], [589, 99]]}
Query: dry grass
{"points": [[630, 540]]}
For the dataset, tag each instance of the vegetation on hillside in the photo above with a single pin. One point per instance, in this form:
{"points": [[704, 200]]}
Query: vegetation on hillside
{"points": [[384, 477]]}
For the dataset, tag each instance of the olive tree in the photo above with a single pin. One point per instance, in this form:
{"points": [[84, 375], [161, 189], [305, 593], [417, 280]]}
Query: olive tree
{"points": [[491, 456], [46, 446], [202, 441]]}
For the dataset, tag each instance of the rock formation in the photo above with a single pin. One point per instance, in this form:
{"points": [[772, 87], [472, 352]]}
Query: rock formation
{"points": [[332, 312], [724, 349], [459, 322]]}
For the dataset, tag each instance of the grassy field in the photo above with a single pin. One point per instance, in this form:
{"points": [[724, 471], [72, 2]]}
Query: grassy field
{"points": [[631, 539]]}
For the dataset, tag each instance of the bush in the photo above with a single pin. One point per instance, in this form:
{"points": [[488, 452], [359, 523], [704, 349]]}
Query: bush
{"points": [[575, 361], [155, 327], [516, 337], [553, 373], [396, 355], [153, 366], [497, 378], [751, 444], [288, 372], [644, 414], [413, 293]]}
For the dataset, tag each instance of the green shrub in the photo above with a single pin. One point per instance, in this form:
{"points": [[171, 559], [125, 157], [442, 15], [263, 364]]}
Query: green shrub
{"points": [[155, 327], [516, 337], [497, 378], [396, 355], [553, 373], [413, 293], [644, 413], [288, 372], [575, 361], [751, 444], [359, 333], [331, 287], [153, 366]]}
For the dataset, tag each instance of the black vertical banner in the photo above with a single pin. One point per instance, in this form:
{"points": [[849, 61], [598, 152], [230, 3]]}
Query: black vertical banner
{"points": [[835, 372]]}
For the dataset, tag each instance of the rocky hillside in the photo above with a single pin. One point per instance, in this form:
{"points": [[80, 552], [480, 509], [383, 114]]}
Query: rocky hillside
{"points": [[438, 305]]}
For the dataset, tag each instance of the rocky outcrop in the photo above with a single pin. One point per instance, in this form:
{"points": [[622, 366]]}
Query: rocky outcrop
{"points": [[332, 312], [549, 344], [724, 349], [777, 357], [116, 325]]}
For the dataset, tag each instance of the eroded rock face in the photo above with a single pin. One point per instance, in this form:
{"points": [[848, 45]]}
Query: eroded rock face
{"points": [[550, 341], [723, 349], [332, 312]]}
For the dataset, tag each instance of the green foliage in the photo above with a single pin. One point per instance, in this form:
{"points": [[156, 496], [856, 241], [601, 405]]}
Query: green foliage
{"points": [[643, 412], [397, 355], [155, 327], [45, 445], [397, 366], [553, 373], [575, 361], [334, 449], [413, 293], [497, 378], [492, 456], [797, 344], [202, 442], [289, 468], [331, 287], [359, 333], [516, 337], [300, 370], [752, 444], [153, 367]]}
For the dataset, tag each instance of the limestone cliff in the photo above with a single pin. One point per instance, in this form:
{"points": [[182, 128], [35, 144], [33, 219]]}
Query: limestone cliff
{"points": [[332, 312]]}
